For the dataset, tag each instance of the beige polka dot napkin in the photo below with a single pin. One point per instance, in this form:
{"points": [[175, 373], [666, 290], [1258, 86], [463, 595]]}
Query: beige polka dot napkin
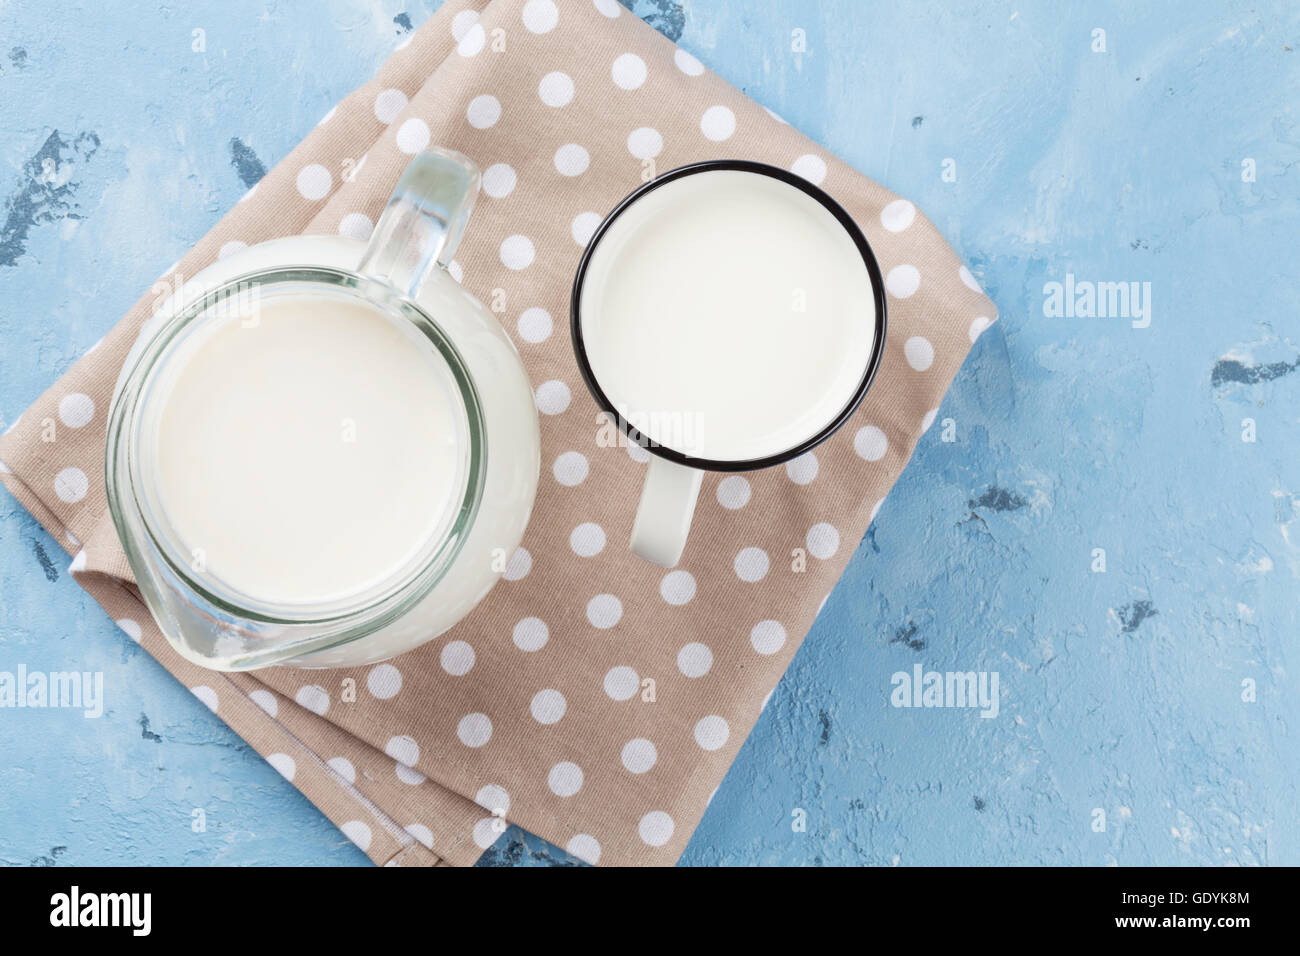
{"points": [[592, 698]]}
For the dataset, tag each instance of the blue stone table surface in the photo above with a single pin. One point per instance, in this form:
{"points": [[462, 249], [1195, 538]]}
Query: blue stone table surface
{"points": [[1106, 513]]}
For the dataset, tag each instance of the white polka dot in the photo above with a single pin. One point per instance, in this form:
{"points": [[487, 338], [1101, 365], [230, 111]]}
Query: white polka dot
{"points": [[314, 698], [969, 280], [409, 775], [584, 227], [711, 732], [412, 136], [547, 706], [655, 828], [207, 695], [358, 833], [587, 539], [645, 143], [314, 181], [751, 564], [535, 325], [637, 453], [978, 326], [521, 562], [71, 485], [462, 22], [494, 799], [802, 470], [384, 681], [677, 587], [639, 755], [775, 116], [517, 252], [822, 540], [499, 180], [457, 658], [483, 111], [571, 468], [154, 322], [474, 730], [870, 443], [530, 634], [553, 397], [687, 63], [389, 105], [455, 271], [875, 509], [283, 763], [403, 749], [473, 41], [487, 831], [903, 281], [718, 123], [540, 16], [919, 352], [767, 637], [265, 700], [230, 248], [78, 563], [356, 225], [628, 71], [733, 492], [343, 767], [132, 628], [565, 779], [610, 9], [622, 683], [423, 835], [928, 420], [572, 160], [320, 122], [694, 660], [604, 611], [76, 409], [556, 89], [583, 846], [898, 215], [810, 167]]}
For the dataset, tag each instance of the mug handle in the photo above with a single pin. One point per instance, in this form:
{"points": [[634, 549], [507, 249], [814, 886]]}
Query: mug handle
{"points": [[423, 221], [663, 518]]}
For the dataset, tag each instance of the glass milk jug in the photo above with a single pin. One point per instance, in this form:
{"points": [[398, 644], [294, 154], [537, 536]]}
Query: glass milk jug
{"points": [[322, 452]]}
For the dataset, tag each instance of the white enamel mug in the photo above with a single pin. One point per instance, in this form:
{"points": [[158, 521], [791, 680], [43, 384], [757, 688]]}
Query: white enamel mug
{"points": [[727, 316]]}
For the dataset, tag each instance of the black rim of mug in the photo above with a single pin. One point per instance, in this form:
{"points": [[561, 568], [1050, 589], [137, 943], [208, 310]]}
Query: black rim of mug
{"points": [[844, 219]]}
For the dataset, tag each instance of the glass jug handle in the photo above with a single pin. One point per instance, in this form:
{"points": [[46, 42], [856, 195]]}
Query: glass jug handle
{"points": [[423, 221]]}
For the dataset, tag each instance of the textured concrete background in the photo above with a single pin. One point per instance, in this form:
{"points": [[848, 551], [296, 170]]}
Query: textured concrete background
{"points": [[1122, 691]]}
